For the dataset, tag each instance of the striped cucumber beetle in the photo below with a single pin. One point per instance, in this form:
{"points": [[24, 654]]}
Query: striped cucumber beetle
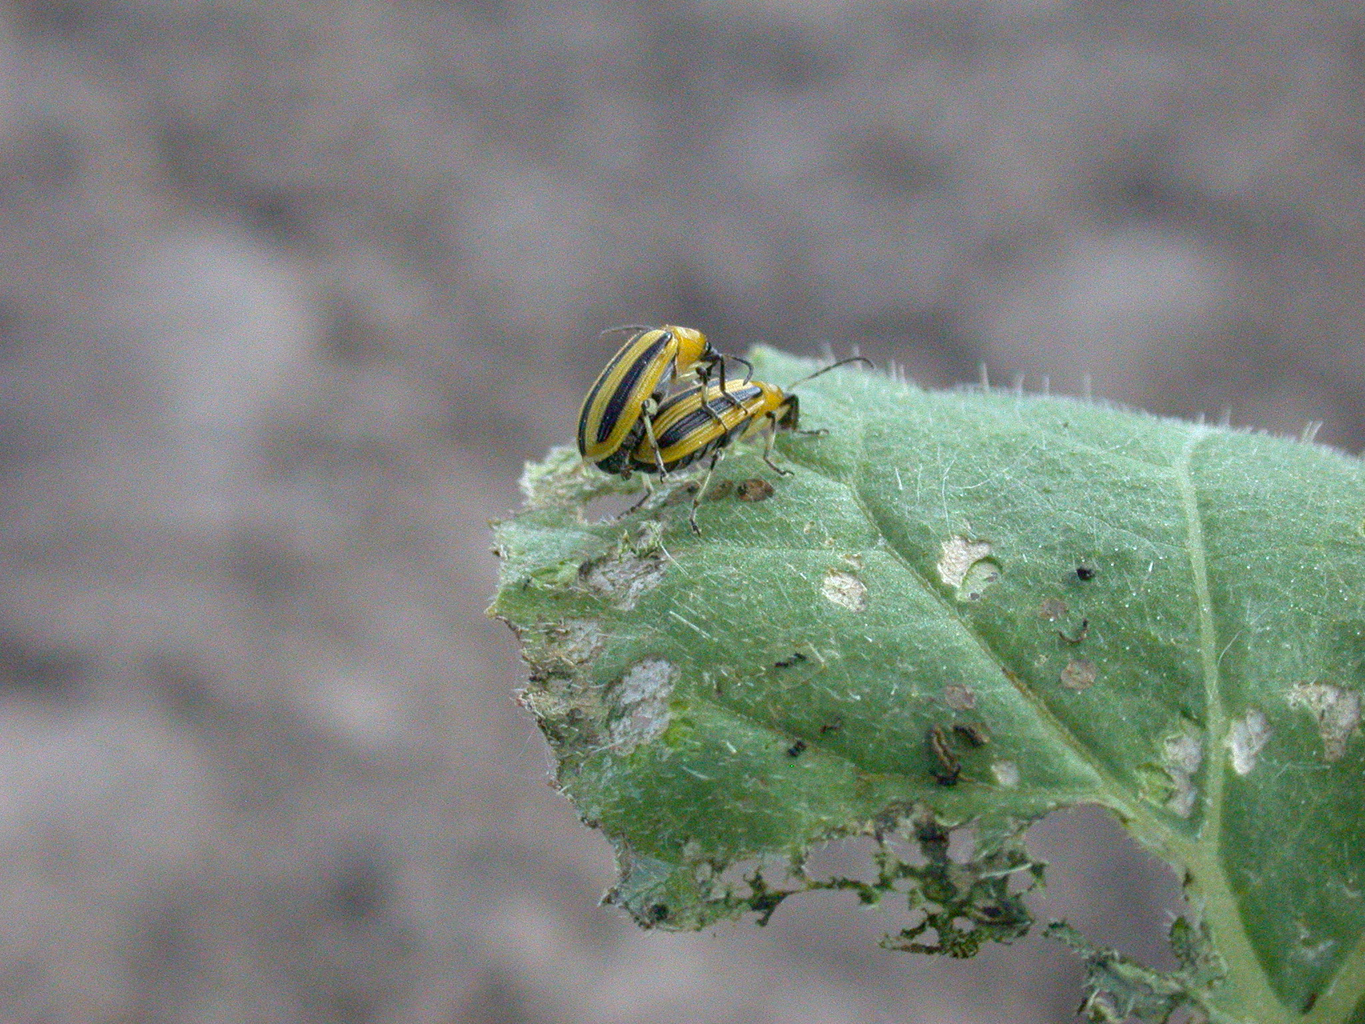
{"points": [[622, 402], [706, 418]]}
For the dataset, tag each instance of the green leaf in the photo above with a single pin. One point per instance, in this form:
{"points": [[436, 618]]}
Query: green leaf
{"points": [[968, 607]]}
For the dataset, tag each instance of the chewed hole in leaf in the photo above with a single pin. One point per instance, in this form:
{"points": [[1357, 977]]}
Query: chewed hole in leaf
{"points": [[937, 886], [852, 858], [844, 589], [966, 566], [980, 576]]}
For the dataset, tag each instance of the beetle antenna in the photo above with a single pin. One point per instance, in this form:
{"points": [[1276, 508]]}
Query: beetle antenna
{"points": [[831, 366], [623, 328]]}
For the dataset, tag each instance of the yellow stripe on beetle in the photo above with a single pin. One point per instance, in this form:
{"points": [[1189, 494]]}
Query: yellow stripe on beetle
{"points": [[707, 418], [703, 419], [619, 408]]}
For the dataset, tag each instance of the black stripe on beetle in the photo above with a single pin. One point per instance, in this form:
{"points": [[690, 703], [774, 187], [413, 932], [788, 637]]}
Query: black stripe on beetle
{"points": [[625, 388]]}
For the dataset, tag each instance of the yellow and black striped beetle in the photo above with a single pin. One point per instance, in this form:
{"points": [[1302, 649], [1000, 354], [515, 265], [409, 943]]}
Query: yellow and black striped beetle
{"points": [[706, 418], [622, 402]]}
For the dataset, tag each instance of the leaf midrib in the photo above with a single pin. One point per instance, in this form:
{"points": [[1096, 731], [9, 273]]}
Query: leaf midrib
{"points": [[1203, 856]]}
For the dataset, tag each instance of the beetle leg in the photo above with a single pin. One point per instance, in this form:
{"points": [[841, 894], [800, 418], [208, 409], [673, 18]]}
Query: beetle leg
{"points": [[720, 364], [647, 410], [704, 376], [733, 400], [649, 493], [696, 498], [707, 405], [768, 448]]}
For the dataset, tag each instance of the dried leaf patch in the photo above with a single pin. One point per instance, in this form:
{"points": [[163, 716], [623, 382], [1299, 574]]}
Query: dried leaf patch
{"points": [[639, 703], [1337, 710], [1246, 739]]}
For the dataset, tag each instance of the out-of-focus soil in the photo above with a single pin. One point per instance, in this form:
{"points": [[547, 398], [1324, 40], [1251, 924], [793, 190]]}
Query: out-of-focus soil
{"points": [[288, 293]]}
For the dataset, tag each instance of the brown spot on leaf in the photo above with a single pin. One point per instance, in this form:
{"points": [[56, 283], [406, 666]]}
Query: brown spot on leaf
{"points": [[754, 489], [1079, 674], [1006, 773], [959, 697], [1052, 609], [1181, 756], [720, 489], [683, 492]]}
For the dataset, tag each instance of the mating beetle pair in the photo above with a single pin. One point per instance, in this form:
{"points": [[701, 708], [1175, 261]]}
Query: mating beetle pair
{"points": [[623, 402], [629, 423]]}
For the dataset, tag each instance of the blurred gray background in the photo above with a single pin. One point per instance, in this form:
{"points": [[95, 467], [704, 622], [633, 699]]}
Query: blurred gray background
{"points": [[288, 292]]}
